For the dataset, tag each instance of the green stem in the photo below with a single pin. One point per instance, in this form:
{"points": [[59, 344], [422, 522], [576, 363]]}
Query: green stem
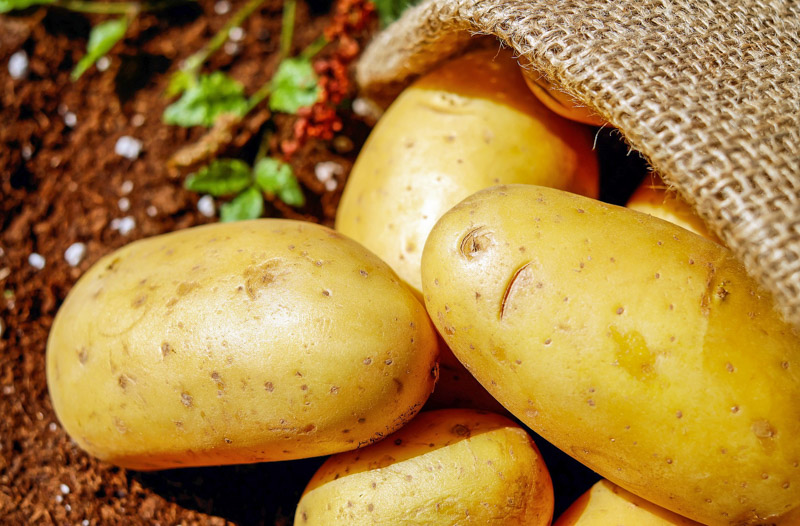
{"points": [[315, 47], [115, 8], [287, 27], [194, 62], [264, 91], [263, 148], [260, 94]]}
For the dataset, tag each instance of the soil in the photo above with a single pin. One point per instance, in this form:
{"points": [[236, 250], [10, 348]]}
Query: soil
{"points": [[62, 182]]}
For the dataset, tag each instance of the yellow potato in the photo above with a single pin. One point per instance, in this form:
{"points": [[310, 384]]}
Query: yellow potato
{"points": [[558, 101], [655, 198], [639, 348], [453, 466], [606, 504], [467, 125], [238, 342]]}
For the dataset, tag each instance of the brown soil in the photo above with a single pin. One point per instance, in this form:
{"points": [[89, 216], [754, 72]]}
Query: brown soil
{"points": [[62, 184]]}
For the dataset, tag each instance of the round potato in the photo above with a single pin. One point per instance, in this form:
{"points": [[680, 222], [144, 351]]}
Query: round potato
{"points": [[606, 504], [643, 350], [558, 101], [655, 198], [452, 466], [467, 125], [238, 342]]}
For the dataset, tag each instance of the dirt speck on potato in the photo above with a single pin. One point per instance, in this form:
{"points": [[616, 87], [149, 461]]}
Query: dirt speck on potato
{"points": [[186, 399]]}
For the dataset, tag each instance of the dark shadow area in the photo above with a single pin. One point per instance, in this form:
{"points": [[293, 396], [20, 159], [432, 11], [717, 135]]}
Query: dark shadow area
{"points": [[136, 71], [58, 21], [320, 7], [250, 494], [571, 479], [621, 169]]}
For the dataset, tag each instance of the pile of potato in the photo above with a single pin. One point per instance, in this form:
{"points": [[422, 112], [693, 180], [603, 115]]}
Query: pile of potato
{"points": [[639, 348]]}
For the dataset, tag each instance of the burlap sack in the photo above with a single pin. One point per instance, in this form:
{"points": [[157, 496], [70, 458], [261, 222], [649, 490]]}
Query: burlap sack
{"points": [[708, 91]]}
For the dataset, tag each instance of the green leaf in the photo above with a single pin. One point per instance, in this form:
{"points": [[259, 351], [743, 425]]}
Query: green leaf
{"points": [[247, 205], [101, 39], [213, 95], [179, 82], [221, 177], [390, 10], [277, 178], [11, 5], [293, 86]]}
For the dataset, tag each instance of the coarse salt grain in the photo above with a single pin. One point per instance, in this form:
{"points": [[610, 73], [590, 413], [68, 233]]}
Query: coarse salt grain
{"points": [[152, 211], [137, 120], [222, 7], [366, 108], [124, 225], [53, 426], [236, 34], [64, 489], [126, 187], [59, 499], [36, 261], [331, 185], [231, 48], [128, 147], [70, 119], [326, 170], [18, 65], [8, 389], [75, 254], [205, 205], [124, 204], [103, 63]]}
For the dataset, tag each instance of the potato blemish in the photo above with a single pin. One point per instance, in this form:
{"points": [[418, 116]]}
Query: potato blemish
{"points": [[633, 355], [477, 240], [260, 277], [521, 277]]}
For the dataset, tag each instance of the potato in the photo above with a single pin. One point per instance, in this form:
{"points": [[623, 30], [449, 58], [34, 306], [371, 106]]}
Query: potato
{"points": [[452, 466], [558, 101], [465, 126], [607, 504], [654, 197], [239, 342], [641, 349]]}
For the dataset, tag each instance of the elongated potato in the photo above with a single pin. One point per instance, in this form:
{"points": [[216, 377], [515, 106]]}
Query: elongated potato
{"points": [[238, 342], [452, 466], [467, 125], [641, 349]]}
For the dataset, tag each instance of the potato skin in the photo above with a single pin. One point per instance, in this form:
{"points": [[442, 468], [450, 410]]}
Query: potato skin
{"points": [[239, 342], [654, 197], [467, 125], [606, 503], [451, 466], [641, 349]]}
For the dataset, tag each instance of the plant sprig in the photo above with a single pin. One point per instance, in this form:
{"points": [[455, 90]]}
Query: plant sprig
{"points": [[104, 35], [205, 98]]}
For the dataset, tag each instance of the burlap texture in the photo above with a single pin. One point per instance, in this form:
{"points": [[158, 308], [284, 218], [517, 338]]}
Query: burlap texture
{"points": [[707, 91]]}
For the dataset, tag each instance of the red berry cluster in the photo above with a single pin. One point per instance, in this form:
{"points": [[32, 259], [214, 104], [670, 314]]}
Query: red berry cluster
{"points": [[351, 20]]}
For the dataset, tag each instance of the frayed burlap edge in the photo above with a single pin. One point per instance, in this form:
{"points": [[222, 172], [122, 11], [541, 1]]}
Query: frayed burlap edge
{"points": [[707, 91]]}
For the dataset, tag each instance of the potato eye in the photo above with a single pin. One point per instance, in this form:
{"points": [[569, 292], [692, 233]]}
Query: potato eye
{"points": [[477, 240]]}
